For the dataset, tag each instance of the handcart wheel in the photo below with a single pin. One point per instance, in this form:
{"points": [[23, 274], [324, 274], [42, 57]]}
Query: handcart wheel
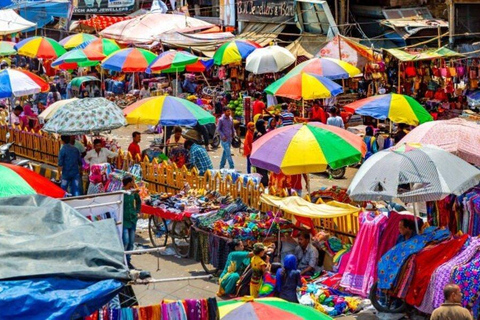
{"points": [[383, 302], [180, 235], [157, 230]]}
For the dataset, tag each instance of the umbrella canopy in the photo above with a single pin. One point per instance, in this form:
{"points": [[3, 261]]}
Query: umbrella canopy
{"points": [[458, 136], [78, 81], [172, 59], [11, 22], [40, 47], [18, 181], [200, 66], [7, 48], [75, 40], [85, 116], [129, 60], [398, 108], [267, 309], [167, 111], [77, 57], [48, 113], [105, 46], [269, 60], [433, 173], [306, 148], [17, 83], [306, 86], [234, 51], [328, 67]]}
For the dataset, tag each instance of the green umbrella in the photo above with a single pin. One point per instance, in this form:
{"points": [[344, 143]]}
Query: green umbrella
{"points": [[7, 48], [77, 82]]}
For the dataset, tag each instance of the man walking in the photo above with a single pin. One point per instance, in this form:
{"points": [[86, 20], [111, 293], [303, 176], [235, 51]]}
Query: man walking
{"points": [[227, 133], [69, 163], [452, 308]]}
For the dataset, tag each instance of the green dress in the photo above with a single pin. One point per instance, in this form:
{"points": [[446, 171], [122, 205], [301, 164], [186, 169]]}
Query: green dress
{"points": [[236, 263]]}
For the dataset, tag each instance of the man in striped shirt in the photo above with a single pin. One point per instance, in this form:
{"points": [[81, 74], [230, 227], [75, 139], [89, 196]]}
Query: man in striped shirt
{"points": [[287, 116]]}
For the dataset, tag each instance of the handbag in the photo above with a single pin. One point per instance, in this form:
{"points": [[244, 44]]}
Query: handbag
{"points": [[460, 71], [410, 70], [452, 71]]}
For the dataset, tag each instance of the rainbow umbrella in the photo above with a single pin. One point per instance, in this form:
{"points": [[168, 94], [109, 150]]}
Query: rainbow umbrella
{"points": [[40, 47], [129, 60], [17, 83], [102, 45], [307, 148], [7, 48], [167, 111], [75, 40], [78, 57], [173, 60], [267, 309], [304, 86], [234, 51], [200, 66], [397, 107], [328, 67], [18, 181]]}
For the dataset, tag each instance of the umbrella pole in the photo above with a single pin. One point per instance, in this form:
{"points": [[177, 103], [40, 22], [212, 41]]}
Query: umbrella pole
{"points": [[176, 83], [203, 74], [303, 108], [101, 81], [415, 214]]}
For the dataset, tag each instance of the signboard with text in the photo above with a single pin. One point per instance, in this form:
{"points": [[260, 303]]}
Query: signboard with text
{"points": [[104, 6], [265, 10]]}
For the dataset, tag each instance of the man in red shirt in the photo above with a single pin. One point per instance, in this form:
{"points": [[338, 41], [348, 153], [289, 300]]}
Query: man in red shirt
{"points": [[134, 147], [258, 105], [317, 113]]}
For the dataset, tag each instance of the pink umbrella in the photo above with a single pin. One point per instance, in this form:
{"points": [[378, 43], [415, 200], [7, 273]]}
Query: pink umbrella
{"points": [[458, 136]]}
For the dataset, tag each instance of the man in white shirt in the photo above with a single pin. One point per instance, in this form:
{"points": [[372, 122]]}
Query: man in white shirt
{"points": [[98, 154]]}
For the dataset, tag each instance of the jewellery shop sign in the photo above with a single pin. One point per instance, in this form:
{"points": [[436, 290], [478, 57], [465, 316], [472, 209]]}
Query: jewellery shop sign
{"points": [[265, 11]]}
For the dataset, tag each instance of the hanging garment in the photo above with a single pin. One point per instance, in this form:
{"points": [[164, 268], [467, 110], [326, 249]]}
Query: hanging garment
{"points": [[360, 271], [466, 277], [390, 234], [174, 311]]}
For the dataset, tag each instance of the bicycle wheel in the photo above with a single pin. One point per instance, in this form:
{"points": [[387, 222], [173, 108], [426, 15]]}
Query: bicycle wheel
{"points": [[157, 231], [205, 259], [384, 302], [180, 235]]}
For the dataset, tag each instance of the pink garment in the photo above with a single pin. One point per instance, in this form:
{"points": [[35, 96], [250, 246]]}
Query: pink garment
{"points": [[361, 270], [344, 262]]}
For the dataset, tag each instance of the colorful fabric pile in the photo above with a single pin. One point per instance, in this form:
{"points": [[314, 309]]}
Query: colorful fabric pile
{"points": [[333, 246], [188, 202]]}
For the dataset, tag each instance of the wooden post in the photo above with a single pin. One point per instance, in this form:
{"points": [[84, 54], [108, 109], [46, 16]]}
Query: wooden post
{"points": [[399, 90], [451, 22]]}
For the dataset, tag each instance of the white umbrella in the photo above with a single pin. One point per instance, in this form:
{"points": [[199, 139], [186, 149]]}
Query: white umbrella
{"points": [[50, 111], [269, 60]]}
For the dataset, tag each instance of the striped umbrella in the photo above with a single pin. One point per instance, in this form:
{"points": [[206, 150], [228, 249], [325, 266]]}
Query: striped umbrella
{"points": [[17, 83], [102, 45], [129, 60], [398, 108], [40, 47], [167, 111], [172, 59], [18, 181], [234, 51], [78, 58], [432, 172], [307, 148], [75, 40], [267, 309], [328, 67], [458, 136], [7, 48]]}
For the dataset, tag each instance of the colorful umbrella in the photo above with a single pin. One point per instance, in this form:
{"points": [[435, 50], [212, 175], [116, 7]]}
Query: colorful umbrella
{"points": [[129, 60], [7, 48], [167, 111], [18, 181], [40, 47], [397, 107], [307, 148], [328, 67], [172, 59], [75, 40], [48, 113], [269, 60], [105, 46], [267, 309], [86, 116], [200, 66], [234, 51], [79, 57], [304, 86], [78, 81], [17, 83], [458, 136], [432, 172]]}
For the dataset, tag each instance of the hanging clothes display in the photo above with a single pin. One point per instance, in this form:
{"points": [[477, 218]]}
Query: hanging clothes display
{"points": [[466, 277], [359, 274], [390, 234]]}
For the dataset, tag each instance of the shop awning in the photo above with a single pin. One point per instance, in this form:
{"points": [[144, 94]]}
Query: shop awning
{"points": [[261, 33], [307, 45], [11, 22], [300, 207], [405, 56]]}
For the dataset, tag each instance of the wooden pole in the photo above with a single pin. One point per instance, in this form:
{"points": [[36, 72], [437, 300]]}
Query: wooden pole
{"points": [[451, 23], [439, 41], [399, 77]]}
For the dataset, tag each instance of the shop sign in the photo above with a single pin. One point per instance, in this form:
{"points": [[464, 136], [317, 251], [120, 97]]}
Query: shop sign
{"points": [[271, 10], [104, 6]]}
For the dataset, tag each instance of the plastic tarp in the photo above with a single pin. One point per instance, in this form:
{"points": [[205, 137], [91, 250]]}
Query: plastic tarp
{"points": [[405, 56], [301, 207], [350, 51], [11, 22], [41, 12]]}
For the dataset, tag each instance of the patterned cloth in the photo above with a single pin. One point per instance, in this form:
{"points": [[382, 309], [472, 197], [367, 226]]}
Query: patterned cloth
{"points": [[391, 263], [467, 278], [200, 159]]}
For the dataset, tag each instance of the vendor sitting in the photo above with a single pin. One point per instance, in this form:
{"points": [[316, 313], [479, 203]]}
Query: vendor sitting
{"points": [[406, 228], [237, 261], [307, 255]]}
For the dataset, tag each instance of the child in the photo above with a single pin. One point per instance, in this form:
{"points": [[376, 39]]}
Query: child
{"points": [[269, 280], [258, 268], [131, 207], [288, 279]]}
